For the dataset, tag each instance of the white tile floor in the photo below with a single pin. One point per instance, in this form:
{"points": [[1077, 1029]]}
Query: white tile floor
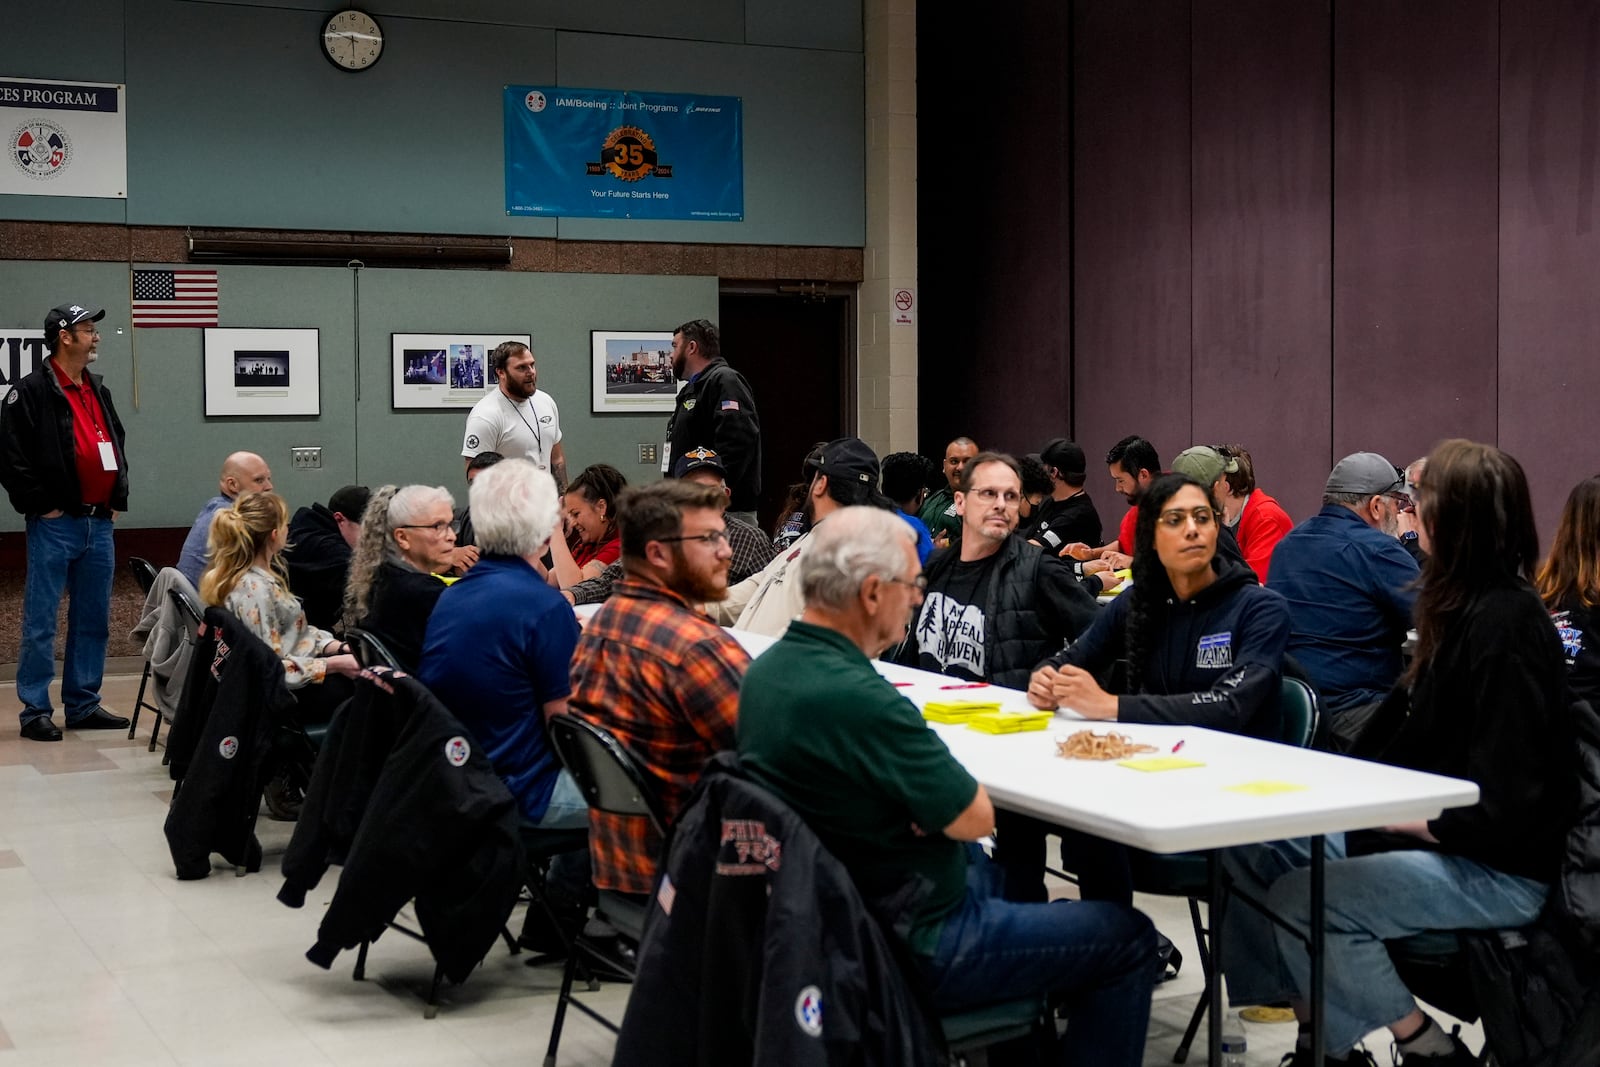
{"points": [[107, 959]]}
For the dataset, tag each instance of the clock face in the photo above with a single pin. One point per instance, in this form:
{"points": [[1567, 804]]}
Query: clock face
{"points": [[352, 40]]}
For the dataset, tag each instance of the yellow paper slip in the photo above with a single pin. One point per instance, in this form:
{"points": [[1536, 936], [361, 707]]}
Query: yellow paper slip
{"points": [[1159, 763], [957, 710], [1265, 789], [1011, 722]]}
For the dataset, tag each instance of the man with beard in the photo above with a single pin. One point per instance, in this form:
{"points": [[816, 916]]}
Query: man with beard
{"points": [[995, 604], [517, 420], [938, 512], [656, 672], [1133, 464], [1350, 585], [715, 410]]}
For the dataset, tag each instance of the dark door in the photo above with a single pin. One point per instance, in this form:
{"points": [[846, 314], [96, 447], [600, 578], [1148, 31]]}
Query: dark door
{"points": [[794, 350]]}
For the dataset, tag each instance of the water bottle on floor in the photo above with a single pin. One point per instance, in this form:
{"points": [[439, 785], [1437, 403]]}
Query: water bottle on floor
{"points": [[1233, 1042]]}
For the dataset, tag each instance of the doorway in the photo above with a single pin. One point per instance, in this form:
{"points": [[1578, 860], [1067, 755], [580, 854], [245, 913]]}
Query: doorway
{"points": [[795, 345]]}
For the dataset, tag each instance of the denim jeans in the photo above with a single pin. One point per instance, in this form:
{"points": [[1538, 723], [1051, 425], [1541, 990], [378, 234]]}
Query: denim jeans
{"points": [[1369, 900], [1098, 958], [567, 809], [72, 556]]}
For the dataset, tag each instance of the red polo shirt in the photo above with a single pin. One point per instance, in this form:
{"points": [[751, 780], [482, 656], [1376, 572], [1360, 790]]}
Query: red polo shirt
{"points": [[89, 428], [1125, 531]]}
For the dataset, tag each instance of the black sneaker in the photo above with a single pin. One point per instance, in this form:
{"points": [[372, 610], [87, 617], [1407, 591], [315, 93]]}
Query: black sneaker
{"points": [[1458, 1056], [1300, 1057], [284, 797]]}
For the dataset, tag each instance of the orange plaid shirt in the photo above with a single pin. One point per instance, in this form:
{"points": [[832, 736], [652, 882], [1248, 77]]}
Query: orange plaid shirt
{"points": [[664, 679]]}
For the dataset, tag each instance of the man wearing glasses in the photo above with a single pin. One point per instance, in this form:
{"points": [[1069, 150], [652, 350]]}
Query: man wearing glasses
{"points": [[996, 604], [63, 463], [654, 670], [1350, 586]]}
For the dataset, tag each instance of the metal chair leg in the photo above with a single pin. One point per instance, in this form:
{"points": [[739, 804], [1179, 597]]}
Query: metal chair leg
{"points": [[361, 963], [1202, 935], [155, 731], [561, 1010], [431, 1009], [138, 701]]}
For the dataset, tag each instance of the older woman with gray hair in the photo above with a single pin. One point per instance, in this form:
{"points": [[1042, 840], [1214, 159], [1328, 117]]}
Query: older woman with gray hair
{"points": [[406, 539]]}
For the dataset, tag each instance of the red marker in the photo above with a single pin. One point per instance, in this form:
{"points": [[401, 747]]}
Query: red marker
{"points": [[967, 685], [902, 685], [1177, 746]]}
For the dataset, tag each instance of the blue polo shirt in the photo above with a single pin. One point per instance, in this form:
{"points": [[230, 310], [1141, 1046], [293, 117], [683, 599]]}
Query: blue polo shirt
{"points": [[1350, 593], [498, 647]]}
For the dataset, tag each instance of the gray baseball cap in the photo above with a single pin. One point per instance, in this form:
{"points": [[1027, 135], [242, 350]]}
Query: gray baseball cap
{"points": [[1366, 473]]}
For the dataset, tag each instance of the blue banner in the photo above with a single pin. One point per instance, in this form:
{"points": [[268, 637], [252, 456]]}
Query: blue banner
{"points": [[612, 154]]}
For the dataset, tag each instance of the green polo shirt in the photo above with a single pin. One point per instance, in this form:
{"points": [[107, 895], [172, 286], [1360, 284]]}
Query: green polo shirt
{"points": [[832, 739], [939, 513]]}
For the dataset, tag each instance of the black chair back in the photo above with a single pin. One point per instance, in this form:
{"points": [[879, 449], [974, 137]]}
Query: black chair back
{"points": [[609, 776], [187, 605], [369, 651], [144, 572]]}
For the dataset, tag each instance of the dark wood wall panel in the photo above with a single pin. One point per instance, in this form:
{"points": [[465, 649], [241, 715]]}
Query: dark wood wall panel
{"points": [[1550, 244], [1415, 223], [1131, 267], [1262, 201]]}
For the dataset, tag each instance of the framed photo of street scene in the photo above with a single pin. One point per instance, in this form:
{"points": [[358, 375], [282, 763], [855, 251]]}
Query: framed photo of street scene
{"points": [[444, 371], [254, 372], [633, 371]]}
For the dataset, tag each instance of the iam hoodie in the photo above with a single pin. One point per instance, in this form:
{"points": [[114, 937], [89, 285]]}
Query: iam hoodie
{"points": [[1214, 661]]}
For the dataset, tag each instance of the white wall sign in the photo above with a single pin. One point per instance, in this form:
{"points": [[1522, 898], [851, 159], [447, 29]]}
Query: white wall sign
{"points": [[905, 307], [63, 138], [21, 352]]}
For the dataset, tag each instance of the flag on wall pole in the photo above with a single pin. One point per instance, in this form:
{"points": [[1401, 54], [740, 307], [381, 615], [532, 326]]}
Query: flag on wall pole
{"points": [[174, 298]]}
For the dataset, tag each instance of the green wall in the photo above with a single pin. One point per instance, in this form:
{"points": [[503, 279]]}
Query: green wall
{"points": [[175, 450]]}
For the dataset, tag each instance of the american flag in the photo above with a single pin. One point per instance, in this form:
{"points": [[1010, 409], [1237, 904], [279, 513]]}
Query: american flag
{"points": [[174, 298]]}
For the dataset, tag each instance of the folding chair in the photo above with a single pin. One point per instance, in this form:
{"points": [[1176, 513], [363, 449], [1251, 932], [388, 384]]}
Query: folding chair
{"points": [[369, 651], [612, 782], [144, 573]]}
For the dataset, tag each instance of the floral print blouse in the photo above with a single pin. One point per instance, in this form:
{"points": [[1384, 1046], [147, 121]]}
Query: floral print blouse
{"points": [[277, 618]]}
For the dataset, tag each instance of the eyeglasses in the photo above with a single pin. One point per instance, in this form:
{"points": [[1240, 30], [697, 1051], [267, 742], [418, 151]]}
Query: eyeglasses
{"points": [[987, 497], [437, 527], [710, 537], [920, 582], [1175, 518]]}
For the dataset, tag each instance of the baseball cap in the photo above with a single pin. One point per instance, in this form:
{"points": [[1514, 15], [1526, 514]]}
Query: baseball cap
{"points": [[1204, 464], [1063, 455], [1366, 473], [70, 315], [700, 458], [849, 461], [350, 501]]}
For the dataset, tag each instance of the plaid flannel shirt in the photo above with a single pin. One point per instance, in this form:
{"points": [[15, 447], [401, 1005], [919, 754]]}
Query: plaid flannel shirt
{"points": [[664, 679]]}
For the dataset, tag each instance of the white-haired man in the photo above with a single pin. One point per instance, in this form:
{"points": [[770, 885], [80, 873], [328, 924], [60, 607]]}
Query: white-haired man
{"points": [[500, 640], [821, 729]]}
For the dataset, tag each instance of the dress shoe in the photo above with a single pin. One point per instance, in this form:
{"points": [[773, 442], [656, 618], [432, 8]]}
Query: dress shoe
{"points": [[41, 729], [99, 719]]}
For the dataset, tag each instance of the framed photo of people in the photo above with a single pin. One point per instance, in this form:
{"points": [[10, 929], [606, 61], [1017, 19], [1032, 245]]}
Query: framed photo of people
{"points": [[254, 372], [633, 371], [444, 371]]}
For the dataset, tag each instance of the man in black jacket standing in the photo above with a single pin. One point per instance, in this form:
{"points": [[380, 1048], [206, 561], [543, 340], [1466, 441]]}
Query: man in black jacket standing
{"points": [[63, 464], [715, 410]]}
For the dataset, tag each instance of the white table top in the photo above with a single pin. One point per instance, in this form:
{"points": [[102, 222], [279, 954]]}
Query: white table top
{"points": [[1175, 810]]}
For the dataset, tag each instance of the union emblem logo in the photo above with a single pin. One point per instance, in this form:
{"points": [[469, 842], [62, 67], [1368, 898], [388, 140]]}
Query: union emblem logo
{"points": [[40, 149]]}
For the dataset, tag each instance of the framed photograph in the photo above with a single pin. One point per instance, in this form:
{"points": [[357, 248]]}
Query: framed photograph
{"points": [[633, 371], [262, 372], [444, 370]]}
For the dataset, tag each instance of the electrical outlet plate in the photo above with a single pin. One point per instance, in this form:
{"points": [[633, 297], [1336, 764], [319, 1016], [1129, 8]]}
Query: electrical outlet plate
{"points": [[647, 451], [306, 458]]}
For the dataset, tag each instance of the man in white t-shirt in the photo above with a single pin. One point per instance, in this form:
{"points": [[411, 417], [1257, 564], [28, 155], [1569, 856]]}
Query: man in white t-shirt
{"points": [[517, 420]]}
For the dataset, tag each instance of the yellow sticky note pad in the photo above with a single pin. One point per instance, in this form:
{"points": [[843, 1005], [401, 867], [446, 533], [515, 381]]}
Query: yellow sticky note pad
{"points": [[1265, 789], [1159, 763]]}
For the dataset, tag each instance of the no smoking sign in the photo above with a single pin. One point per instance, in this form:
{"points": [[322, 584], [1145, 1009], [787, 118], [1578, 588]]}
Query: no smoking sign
{"points": [[905, 301]]}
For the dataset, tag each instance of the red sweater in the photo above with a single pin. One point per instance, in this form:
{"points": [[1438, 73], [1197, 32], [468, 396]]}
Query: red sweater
{"points": [[1261, 526]]}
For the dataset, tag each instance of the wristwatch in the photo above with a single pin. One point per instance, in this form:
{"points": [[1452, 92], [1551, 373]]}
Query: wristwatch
{"points": [[1408, 537]]}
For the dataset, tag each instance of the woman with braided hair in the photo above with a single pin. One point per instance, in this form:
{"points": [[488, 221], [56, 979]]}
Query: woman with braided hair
{"points": [[1201, 643]]}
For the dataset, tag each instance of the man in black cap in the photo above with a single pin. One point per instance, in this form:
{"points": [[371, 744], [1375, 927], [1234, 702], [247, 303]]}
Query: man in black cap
{"points": [[715, 409], [995, 604], [63, 463], [321, 542], [1069, 516], [843, 472]]}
